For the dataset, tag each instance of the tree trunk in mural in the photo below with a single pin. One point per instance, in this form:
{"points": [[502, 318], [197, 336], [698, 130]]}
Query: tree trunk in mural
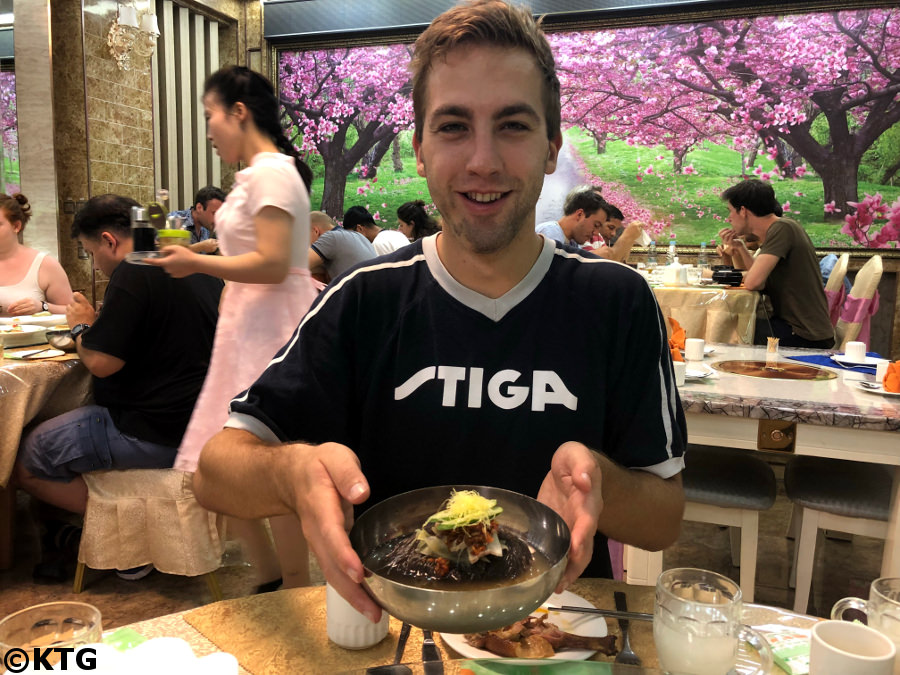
{"points": [[395, 155]]}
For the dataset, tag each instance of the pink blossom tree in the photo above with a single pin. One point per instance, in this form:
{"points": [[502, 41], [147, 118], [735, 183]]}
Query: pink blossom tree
{"points": [[8, 125], [772, 76], [346, 105]]}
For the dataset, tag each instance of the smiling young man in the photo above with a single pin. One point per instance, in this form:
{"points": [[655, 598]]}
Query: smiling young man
{"points": [[454, 359]]}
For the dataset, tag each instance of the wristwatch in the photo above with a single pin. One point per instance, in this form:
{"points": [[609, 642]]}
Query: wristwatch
{"points": [[45, 307], [78, 330]]}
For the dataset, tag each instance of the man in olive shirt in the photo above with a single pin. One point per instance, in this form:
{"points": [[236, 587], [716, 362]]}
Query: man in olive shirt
{"points": [[786, 267]]}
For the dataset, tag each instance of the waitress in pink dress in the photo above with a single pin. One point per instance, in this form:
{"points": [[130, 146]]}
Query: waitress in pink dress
{"points": [[263, 232]]}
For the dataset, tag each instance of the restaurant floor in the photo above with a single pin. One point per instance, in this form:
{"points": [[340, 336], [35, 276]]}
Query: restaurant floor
{"points": [[842, 568]]}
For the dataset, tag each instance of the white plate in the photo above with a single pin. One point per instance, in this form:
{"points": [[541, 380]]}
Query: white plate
{"points": [[879, 391], [34, 354], [46, 320], [28, 335], [697, 372], [581, 624], [846, 361]]}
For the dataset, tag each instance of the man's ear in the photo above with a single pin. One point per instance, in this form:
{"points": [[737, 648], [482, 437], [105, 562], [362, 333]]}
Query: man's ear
{"points": [[417, 148]]}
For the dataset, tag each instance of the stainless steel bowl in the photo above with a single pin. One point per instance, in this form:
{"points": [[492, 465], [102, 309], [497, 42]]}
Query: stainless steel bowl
{"points": [[61, 339], [464, 611]]}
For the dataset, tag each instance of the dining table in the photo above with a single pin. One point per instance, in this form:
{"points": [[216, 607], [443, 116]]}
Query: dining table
{"points": [[285, 632], [31, 390], [835, 415], [712, 312]]}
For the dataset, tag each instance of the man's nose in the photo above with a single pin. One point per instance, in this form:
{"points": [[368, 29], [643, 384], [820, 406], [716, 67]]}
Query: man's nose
{"points": [[484, 157]]}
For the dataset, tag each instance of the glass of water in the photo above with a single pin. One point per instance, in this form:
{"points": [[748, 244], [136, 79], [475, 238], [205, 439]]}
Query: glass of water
{"points": [[697, 625], [52, 624]]}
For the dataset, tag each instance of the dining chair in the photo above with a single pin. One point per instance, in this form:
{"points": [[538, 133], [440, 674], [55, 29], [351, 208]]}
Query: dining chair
{"points": [[730, 486], [861, 303], [833, 494], [142, 516], [835, 291], [722, 486]]}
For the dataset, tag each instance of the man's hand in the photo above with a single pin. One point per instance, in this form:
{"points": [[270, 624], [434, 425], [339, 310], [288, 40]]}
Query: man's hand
{"points": [[23, 307], [572, 488], [327, 483], [206, 246], [79, 311]]}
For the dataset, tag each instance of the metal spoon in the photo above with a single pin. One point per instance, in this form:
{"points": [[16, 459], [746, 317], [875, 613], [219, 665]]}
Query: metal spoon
{"points": [[395, 668]]}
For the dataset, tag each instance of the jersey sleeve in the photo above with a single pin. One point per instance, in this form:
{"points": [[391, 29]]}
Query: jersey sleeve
{"points": [[645, 426]]}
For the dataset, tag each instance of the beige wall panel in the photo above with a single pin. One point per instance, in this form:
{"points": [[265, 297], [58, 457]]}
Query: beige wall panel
{"points": [[34, 102]]}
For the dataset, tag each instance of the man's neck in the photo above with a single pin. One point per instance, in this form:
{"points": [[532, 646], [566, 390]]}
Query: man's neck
{"points": [[567, 224], [760, 226], [495, 274]]}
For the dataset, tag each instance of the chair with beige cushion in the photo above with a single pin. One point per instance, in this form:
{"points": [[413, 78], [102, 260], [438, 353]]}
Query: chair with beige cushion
{"points": [[860, 304], [142, 516], [834, 288]]}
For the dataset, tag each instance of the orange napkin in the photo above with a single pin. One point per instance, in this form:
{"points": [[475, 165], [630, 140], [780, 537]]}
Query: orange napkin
{"points": [[676, 342], [892, 378]]}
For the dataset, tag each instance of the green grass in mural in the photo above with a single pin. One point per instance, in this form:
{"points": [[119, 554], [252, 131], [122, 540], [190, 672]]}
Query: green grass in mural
{"points": [[10, 171], [717, 168], [693, 200]]}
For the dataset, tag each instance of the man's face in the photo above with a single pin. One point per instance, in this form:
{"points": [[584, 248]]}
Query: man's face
{"points": [[586, 226], [737, 218], [106, 251], [484, 147], [206, 215]]}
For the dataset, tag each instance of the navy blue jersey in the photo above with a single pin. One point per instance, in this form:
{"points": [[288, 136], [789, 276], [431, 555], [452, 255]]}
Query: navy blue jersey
{"points": [[431, 383]]}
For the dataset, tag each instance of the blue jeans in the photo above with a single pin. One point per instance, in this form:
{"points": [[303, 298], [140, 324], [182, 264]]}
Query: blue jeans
{"points": [[85, 440]]}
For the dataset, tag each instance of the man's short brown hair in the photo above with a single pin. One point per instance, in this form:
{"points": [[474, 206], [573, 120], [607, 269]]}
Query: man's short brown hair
{"points": [[485, 22]]}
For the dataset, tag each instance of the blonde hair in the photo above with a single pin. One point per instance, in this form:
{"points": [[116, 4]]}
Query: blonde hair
{"points": [[485, 22], [16, 208]]}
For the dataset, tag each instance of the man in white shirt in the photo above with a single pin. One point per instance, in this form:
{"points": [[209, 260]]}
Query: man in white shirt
{"points": [[584, 214], [358, 219]]}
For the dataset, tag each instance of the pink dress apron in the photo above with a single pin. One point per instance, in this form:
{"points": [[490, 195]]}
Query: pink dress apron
{"points": [[255, 320]]}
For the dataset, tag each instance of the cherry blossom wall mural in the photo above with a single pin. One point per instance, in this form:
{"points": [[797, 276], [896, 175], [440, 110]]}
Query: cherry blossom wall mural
{"points": [[664, 117]]}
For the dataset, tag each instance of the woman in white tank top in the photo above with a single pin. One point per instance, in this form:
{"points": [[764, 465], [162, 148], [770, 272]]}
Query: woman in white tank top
{"points": [[30, 281]]}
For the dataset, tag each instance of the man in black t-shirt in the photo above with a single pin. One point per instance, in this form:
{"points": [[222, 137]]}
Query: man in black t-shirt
{"points": [[468, 357], [148, 351]]}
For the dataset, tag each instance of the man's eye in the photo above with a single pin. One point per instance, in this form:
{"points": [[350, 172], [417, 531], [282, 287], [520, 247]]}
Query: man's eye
{"points": [[451, 127], [515, 126]]}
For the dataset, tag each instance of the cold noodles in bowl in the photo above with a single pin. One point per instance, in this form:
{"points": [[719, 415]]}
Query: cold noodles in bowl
{"points": [[461, 558]]}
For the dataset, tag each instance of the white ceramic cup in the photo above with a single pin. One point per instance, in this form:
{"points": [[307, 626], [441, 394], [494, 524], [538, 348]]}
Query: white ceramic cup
{"points": [[680, 369], [693, 349], [841, 648], [348, 628], [881, 367], [882, 610], [855, 351]]}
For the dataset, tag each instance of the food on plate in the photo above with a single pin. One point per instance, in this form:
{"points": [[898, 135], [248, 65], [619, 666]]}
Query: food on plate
{"points": [[891, 380], [14, 327], [460, 543], [534, 637]]}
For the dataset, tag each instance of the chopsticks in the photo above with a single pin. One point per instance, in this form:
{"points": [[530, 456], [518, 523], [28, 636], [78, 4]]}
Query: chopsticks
{"points": [[635, 616]]}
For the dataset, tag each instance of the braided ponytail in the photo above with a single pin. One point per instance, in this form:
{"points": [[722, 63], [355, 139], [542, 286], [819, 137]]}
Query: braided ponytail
{"points": [[237, 83]]}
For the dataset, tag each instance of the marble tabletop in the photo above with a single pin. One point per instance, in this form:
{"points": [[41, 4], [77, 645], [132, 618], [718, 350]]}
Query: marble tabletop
{"points": [[836, 403]]}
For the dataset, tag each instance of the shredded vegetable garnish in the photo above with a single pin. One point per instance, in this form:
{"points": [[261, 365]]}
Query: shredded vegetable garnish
{"points": [[465, 508]]}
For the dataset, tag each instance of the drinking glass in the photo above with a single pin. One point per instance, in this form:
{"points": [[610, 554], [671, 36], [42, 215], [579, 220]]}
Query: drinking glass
{"points": [[697, 625], [52, 624], [882, 609]]}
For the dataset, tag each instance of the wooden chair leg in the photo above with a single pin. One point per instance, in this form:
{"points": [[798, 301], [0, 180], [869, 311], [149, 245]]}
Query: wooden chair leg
{"points": [[804, 558], [749, 542], [212, 581], [78, 585]]}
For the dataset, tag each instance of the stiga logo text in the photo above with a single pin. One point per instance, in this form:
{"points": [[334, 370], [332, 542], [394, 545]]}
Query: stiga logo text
{"points": [[43, 658]]}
